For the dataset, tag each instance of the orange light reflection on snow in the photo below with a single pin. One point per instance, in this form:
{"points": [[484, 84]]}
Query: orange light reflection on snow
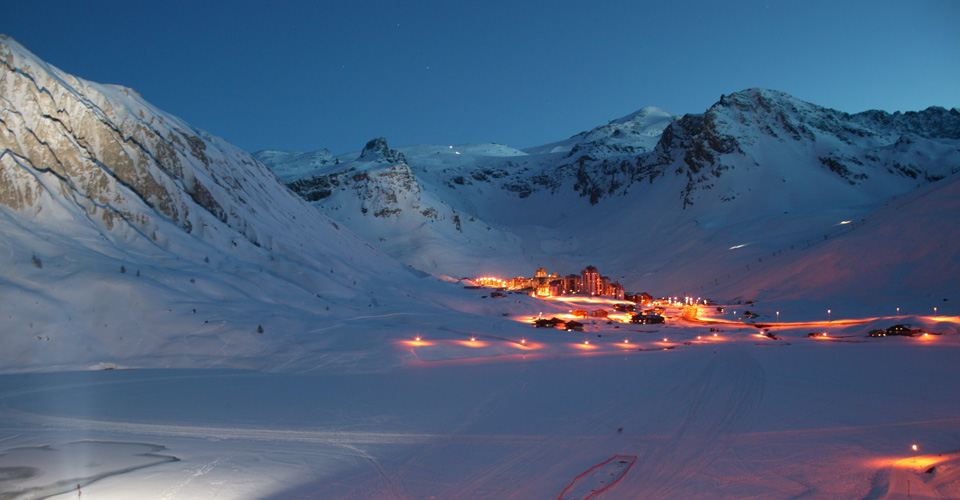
{"points": [[417, 343], [586, 300], [472, 343], [906, 461], [530, 319], [528, 346], [945, 319]]}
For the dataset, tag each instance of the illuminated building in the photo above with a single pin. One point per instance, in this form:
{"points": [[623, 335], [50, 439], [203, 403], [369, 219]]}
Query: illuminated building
{"points": [[571, 284], [544, 284], [590, 281]]}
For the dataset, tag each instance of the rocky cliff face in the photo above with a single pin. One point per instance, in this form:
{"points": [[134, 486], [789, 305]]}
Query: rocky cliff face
{"points": [[115, 215], [114, 156], [377, 151], [379, 177], [762, 128]]}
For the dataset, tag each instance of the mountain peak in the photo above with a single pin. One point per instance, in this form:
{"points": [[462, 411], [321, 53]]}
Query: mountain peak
{"points": [[644, 115], [378, 151]]}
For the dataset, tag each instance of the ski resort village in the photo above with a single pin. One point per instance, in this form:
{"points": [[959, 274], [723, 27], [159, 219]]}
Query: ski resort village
{"points": [[753, 296]]}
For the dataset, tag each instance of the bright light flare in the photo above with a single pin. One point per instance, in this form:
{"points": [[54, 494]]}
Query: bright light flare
{"points": [[738, 246]]}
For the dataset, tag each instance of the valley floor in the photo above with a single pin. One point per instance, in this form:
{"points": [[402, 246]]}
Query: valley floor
{"points": [[734, 416]]}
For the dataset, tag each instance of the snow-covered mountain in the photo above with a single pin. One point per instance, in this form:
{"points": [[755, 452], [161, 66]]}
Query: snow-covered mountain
{"points": [[668, 204], [130, 237]]}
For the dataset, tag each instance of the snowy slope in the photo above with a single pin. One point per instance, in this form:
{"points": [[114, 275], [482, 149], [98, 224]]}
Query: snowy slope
{"points": [[292, 165], [655, 200], [132, 238]]}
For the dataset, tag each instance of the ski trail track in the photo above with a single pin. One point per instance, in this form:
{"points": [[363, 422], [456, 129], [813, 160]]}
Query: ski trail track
{"points": [[710, 406], [705, 408]]}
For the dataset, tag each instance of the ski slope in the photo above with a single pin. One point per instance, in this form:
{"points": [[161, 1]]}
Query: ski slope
{"points": [[733, 416]]}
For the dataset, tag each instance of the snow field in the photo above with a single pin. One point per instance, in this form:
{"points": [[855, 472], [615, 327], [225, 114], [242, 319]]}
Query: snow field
{"points": [[745, 417]]}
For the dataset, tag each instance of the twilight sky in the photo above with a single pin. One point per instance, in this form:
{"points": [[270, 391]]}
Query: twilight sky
{"points": [[334, 74]]}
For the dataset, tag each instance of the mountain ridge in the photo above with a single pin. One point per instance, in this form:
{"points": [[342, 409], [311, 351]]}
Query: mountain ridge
{"points": [[754, 157]]}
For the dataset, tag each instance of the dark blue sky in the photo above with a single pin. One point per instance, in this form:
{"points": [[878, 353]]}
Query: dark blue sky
{"points": [[311, 75]]}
